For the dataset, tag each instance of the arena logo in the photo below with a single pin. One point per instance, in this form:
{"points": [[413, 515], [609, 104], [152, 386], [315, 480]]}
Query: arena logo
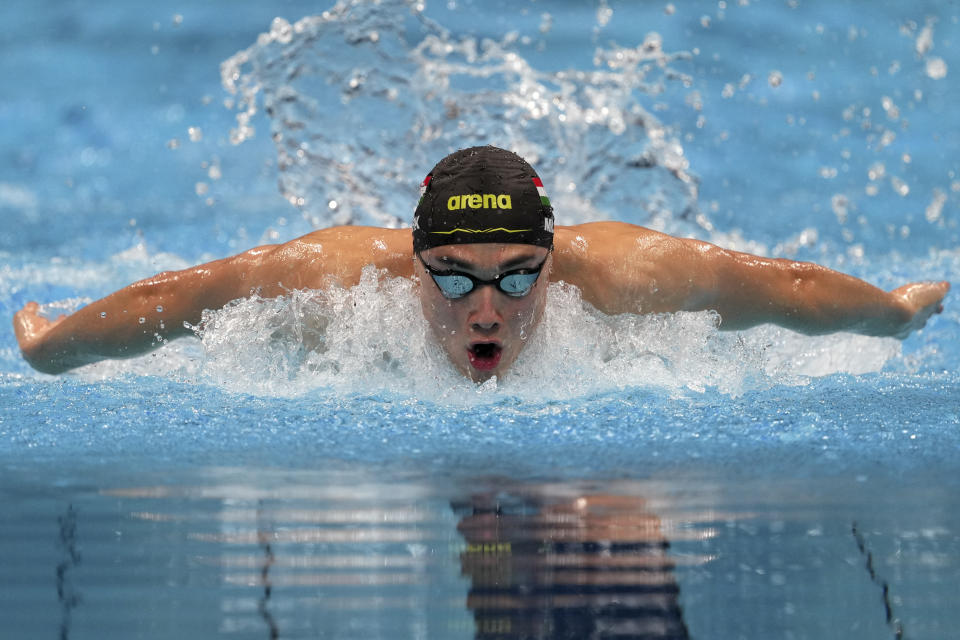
{"points": [[479, 201]]}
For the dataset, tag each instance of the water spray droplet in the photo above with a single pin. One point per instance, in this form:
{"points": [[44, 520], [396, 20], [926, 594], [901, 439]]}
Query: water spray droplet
{"points": [[935, 209], [936, 68], [901, 187]]}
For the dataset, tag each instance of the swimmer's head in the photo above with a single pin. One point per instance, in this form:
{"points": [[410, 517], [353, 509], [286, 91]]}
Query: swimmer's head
{"points": [[482, 195], [482, 238]]}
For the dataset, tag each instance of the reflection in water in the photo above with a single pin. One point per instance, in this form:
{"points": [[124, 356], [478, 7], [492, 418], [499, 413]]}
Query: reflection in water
{"points": [[355, 559], [568, 567], [368, 555], [66, 594]]}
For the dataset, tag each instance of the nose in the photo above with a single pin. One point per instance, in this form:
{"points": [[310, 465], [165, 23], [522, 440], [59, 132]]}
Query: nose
{"points": [[485, 317]]}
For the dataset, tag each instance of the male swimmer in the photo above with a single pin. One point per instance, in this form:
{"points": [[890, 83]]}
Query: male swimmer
{"points": [[483, 249]]}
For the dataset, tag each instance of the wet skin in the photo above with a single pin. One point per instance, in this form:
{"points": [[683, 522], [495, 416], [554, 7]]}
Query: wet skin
{"points": [[486, 316], [618, 268]]}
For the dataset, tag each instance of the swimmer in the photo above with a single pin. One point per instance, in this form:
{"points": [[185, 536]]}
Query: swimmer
{"points": [[483, 249]]}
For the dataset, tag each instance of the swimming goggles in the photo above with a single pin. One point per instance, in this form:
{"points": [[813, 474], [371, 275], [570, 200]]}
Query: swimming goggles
{"points": [[457, 284]]}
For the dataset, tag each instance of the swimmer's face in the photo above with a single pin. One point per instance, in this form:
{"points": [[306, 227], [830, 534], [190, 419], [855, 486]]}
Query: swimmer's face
{"points": [[483, 331]]}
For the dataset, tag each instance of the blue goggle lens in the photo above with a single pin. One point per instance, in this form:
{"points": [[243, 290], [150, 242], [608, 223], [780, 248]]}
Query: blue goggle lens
{"points": [[512, 284], [518, 284], [455, 284]]}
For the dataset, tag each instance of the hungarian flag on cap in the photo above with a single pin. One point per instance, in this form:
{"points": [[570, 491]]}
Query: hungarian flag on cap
{"points": [[543, 192]]}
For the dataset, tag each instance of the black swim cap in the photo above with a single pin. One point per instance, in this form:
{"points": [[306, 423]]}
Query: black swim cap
{"points": [[482, 194]]}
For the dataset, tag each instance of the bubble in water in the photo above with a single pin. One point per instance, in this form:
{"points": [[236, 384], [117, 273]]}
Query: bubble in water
{"points": [[281, 31], [195, 133], [141, 320], [604, 13], [546, 23], [159, 309], [841, 206], [899, 186], [893, 112], [775, 79], [936, 68], [934, 210], [103, 314], [924, 40]]}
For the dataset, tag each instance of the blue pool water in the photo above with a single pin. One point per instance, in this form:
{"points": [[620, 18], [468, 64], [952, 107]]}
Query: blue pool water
{"points": [[635, 476]]}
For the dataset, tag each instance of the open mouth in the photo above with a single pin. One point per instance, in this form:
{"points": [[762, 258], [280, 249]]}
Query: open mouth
{"points": [[484, 355]]}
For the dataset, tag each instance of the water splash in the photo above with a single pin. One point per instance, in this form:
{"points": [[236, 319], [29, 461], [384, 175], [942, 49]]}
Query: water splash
{"points": [[372, 339], [365, 98]]}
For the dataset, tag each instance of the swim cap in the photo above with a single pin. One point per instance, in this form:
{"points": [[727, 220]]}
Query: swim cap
{"points": [[482, 194]]}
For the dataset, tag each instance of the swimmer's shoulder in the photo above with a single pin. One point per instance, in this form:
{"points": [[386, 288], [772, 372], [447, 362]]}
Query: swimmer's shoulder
{"points": [[614, 264], [363, 240], [593, 245], [342, 252], [604, 232]]}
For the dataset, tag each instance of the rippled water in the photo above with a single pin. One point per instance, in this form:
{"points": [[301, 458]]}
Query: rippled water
{"points": [[313, 467], [340, 553]]}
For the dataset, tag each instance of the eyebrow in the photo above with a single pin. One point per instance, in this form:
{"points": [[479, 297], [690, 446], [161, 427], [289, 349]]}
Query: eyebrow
{"points": [[469, 266]]}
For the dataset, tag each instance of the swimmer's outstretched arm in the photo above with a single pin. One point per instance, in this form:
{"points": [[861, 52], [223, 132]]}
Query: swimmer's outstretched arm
{"points": [[659, 273], [816, 300], [139, 317]]}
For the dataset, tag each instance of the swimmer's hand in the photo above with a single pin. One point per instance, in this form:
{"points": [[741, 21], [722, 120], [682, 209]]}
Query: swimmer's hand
{"points": [[31, 329], [921, 300]]}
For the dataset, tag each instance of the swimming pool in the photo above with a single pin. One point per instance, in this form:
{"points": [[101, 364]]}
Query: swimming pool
{"points": [[636, 476]]}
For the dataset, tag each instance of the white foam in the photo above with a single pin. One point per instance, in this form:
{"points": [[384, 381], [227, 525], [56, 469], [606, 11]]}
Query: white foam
{"points": [[372, 338]]}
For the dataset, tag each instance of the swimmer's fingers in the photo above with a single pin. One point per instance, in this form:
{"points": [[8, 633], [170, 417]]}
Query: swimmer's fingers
{"points": [[29, 326], [24, 323], [923, 299]]}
